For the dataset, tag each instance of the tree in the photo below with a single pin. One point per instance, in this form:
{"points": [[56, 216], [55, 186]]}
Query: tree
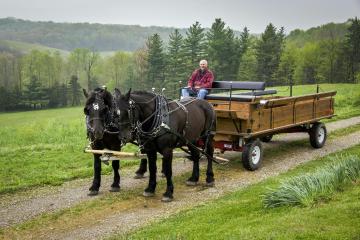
{"points": [[194, 45], [247, 66], [74, 90], [156, 62], [176, 65], [287, 66], [268, 53], [84, 60], [223, 51], [352, 49], [118, 66]]}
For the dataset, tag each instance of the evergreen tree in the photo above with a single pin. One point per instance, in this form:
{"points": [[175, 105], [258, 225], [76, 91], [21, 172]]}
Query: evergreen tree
{"points": [[156, 62], [268, 54], [352, 49], [75, 90], [194, 45], [176, 71], [223, 51]]}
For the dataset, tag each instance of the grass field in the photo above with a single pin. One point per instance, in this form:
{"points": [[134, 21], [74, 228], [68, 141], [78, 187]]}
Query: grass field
{"points": [[46, 146], [242, 215]]}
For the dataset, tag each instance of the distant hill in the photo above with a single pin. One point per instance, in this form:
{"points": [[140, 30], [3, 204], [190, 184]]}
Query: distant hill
{"points": [[323, 32], [23, 35], [23, 48], [68, 36]]}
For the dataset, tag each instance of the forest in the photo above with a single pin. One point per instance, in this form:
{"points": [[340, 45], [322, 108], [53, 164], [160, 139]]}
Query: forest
{"points": [[45, 79]]}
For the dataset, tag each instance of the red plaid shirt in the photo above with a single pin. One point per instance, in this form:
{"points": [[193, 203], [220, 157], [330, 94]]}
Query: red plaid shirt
{"points": [[201, 79]]}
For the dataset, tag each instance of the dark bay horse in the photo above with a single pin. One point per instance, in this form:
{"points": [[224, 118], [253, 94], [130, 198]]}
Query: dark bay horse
{"points": [[158, 125], [100, 116]]}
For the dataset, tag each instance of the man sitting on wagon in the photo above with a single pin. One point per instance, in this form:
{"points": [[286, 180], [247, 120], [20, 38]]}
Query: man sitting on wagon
{"points": [[199, 83]]}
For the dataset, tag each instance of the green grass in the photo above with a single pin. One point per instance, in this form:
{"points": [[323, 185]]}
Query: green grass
{"points": [[44, 148], [310, 188], [241, 215]]}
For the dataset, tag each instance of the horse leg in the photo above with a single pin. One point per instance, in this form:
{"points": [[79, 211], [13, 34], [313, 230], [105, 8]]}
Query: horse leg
{"points": [[167, 168], [195, 156], [115, 186], [210, 181], [142, 169], [150, 190], [94, 189]]}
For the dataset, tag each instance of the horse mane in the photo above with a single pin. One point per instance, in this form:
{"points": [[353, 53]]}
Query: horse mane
{"points": [[142, 93], [106, 95]]}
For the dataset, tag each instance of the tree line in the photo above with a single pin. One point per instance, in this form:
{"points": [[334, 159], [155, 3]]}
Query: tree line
{"points": [[48, 79]]}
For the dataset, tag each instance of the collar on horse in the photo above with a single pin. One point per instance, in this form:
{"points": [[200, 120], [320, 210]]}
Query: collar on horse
{"points": [[160, 119]]}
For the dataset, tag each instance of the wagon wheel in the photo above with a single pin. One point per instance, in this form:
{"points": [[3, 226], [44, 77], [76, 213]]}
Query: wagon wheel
{"points": [[252, 155], [318, 135], [266, 138]]}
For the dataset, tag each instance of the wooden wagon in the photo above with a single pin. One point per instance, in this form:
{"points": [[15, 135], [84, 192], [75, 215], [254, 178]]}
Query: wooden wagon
{"points": [[245, 118]]}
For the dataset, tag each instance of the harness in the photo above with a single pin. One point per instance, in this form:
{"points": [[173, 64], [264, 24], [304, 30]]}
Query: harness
{"points": [[160, 123]]}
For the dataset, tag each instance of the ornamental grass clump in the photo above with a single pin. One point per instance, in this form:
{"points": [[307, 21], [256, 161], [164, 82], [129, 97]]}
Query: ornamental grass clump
{"points": [[307, 189]]}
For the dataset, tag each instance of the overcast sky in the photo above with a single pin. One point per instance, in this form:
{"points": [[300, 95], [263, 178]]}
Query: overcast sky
{"points": [[255, 14]]}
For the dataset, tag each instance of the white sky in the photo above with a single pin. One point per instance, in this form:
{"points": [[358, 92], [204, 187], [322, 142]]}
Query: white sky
{"points": [[255, 14]]}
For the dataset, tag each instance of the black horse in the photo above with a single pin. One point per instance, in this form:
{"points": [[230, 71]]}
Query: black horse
{"points": [[158, 125], [100, 118]]}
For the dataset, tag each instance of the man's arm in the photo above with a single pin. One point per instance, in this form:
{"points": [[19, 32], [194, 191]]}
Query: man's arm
{"points": [[192, 79]]}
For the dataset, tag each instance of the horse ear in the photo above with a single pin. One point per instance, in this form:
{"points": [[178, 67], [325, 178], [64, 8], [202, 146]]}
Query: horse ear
{"points": [[127, 96], [85, 93], [117, 92]]}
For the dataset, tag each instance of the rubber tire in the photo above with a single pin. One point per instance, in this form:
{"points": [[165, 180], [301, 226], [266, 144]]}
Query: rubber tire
{"points": [[266, 138], [314, 133], [247, 157]]}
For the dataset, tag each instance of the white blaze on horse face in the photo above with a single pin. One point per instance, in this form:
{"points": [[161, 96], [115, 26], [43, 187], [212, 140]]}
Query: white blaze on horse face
{"points": [[118, 112], [95, 106]]}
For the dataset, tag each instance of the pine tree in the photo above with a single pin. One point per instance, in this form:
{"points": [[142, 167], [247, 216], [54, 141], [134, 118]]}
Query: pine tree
{"points": [[194, 45], [268, 54], [156, 62], [352, 49], [176, 66], [223, 51], [74, 90]]}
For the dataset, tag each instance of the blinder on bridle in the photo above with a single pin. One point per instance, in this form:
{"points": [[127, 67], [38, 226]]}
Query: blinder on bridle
{"points": [[97, 105]]}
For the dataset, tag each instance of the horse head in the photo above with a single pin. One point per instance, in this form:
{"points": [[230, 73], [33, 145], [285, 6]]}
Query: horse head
{"points": [[97, 109], [125, 111]]}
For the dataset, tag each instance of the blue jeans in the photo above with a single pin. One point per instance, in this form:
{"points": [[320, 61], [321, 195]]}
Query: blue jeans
{"points": [[201, 94]]}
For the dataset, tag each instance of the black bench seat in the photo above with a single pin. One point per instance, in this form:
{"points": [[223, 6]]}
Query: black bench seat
{"points": [[257, 89]]}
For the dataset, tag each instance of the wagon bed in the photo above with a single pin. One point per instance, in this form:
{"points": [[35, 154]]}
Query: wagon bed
{"points": [[244, 118]]}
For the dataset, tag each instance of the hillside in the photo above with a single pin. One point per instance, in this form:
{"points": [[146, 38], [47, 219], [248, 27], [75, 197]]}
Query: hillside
{"points": [[323, 32], [68, 36]]}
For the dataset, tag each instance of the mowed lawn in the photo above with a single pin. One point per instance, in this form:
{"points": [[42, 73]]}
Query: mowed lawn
{"points": [[45, 147]]}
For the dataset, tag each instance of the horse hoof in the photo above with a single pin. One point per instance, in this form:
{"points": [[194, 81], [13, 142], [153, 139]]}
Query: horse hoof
{"points": [[114, 189], [138, 176], [166, 199], [93, 193], [148, 194], [191, 183], [210, 184]]}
